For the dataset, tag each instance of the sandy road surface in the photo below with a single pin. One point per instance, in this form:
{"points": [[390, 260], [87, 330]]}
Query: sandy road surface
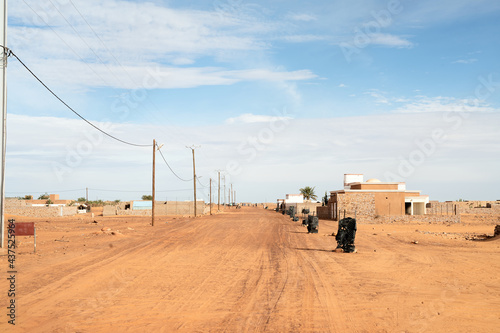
{"points": [[252, 270]]}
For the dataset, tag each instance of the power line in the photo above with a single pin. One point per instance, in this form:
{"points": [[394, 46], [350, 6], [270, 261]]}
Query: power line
{"points": [[152, 115], [55, 32], [126, 191], [81, 189], [184, 180], [10, 52], [198, 179], [83, 40], [103, 44]]}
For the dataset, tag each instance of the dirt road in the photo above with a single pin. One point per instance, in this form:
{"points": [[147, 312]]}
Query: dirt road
{"points": [[252, 270]]}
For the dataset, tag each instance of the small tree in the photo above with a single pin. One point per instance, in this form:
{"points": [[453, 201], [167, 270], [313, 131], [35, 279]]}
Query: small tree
{"points": [[308, 193], [44, 196], [28, 197], [325, 199], [147, 197], [49, 202], [82, 199], [117, 201]]}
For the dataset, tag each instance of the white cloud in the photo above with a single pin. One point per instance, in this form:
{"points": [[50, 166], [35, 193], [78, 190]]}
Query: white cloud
{"points": [[365, 144], [422, 104], [304, 38], [152, 76], [389, 40], [465, 61], [379, 96], [248, 118], [342, 85]]}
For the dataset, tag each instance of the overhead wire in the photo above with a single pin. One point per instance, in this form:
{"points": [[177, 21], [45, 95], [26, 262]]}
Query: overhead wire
{"points": [[43, 192], [97, 56], [83, 40], [175, 137], [184, 180], [128, 191], [154, 116], [198, 179], [69, 46], [10, 52]]}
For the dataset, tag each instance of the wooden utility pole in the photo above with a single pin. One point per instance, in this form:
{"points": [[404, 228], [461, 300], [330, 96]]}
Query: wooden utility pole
{"points": [[193, 147], [231, 195], [86, 194], [218, 196], [153, 196], [210, 196], [3, 119], [224, 190]]}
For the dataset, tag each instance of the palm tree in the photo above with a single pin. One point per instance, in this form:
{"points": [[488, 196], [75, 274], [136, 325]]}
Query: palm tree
{"points": [[308, 193]]}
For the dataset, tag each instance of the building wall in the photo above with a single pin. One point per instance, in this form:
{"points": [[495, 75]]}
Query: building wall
{"points": [[374, 186], [354, 204], [323, 212], [389, 203], [294, 198]]}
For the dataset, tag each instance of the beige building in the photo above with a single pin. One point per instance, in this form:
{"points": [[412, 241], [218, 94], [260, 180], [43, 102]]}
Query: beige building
{"points": [[373, 198]]}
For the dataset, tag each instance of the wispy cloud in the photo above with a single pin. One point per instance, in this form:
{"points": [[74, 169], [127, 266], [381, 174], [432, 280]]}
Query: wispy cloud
{"points": [[360, 149], [423, 104], [389, 40], [465, 61], [248, 118], [303, 38], [378, 95]]}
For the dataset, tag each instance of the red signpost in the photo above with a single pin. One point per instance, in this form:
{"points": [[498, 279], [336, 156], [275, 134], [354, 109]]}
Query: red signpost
{"points": [[26, 229]]}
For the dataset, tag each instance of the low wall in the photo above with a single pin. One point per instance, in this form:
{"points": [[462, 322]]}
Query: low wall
{"points": [[464, 207], [162, 208], [42, 211], [412, 218], [305, 205]]}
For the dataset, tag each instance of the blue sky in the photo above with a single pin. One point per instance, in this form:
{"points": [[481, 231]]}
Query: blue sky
{"points": [[278, 94]]}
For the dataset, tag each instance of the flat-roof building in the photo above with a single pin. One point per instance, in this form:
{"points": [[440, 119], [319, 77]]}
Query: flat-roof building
{"points": [[373, 197]]}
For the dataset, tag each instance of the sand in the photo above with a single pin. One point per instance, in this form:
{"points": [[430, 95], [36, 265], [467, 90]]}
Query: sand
{"points": [[252, 270]]}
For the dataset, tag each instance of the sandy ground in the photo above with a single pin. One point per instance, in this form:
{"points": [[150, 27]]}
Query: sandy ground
{"points": [[251, 270]]}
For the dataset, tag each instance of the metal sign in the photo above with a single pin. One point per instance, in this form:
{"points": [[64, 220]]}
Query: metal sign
{"points": [[25, 228]]}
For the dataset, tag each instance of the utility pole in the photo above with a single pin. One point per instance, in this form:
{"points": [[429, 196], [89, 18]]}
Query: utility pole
{"points": [[231, 194], [224, 190], [153, 196], [3, 124], [210, 196], [218, 196], [86, 194], [193, 147]]}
